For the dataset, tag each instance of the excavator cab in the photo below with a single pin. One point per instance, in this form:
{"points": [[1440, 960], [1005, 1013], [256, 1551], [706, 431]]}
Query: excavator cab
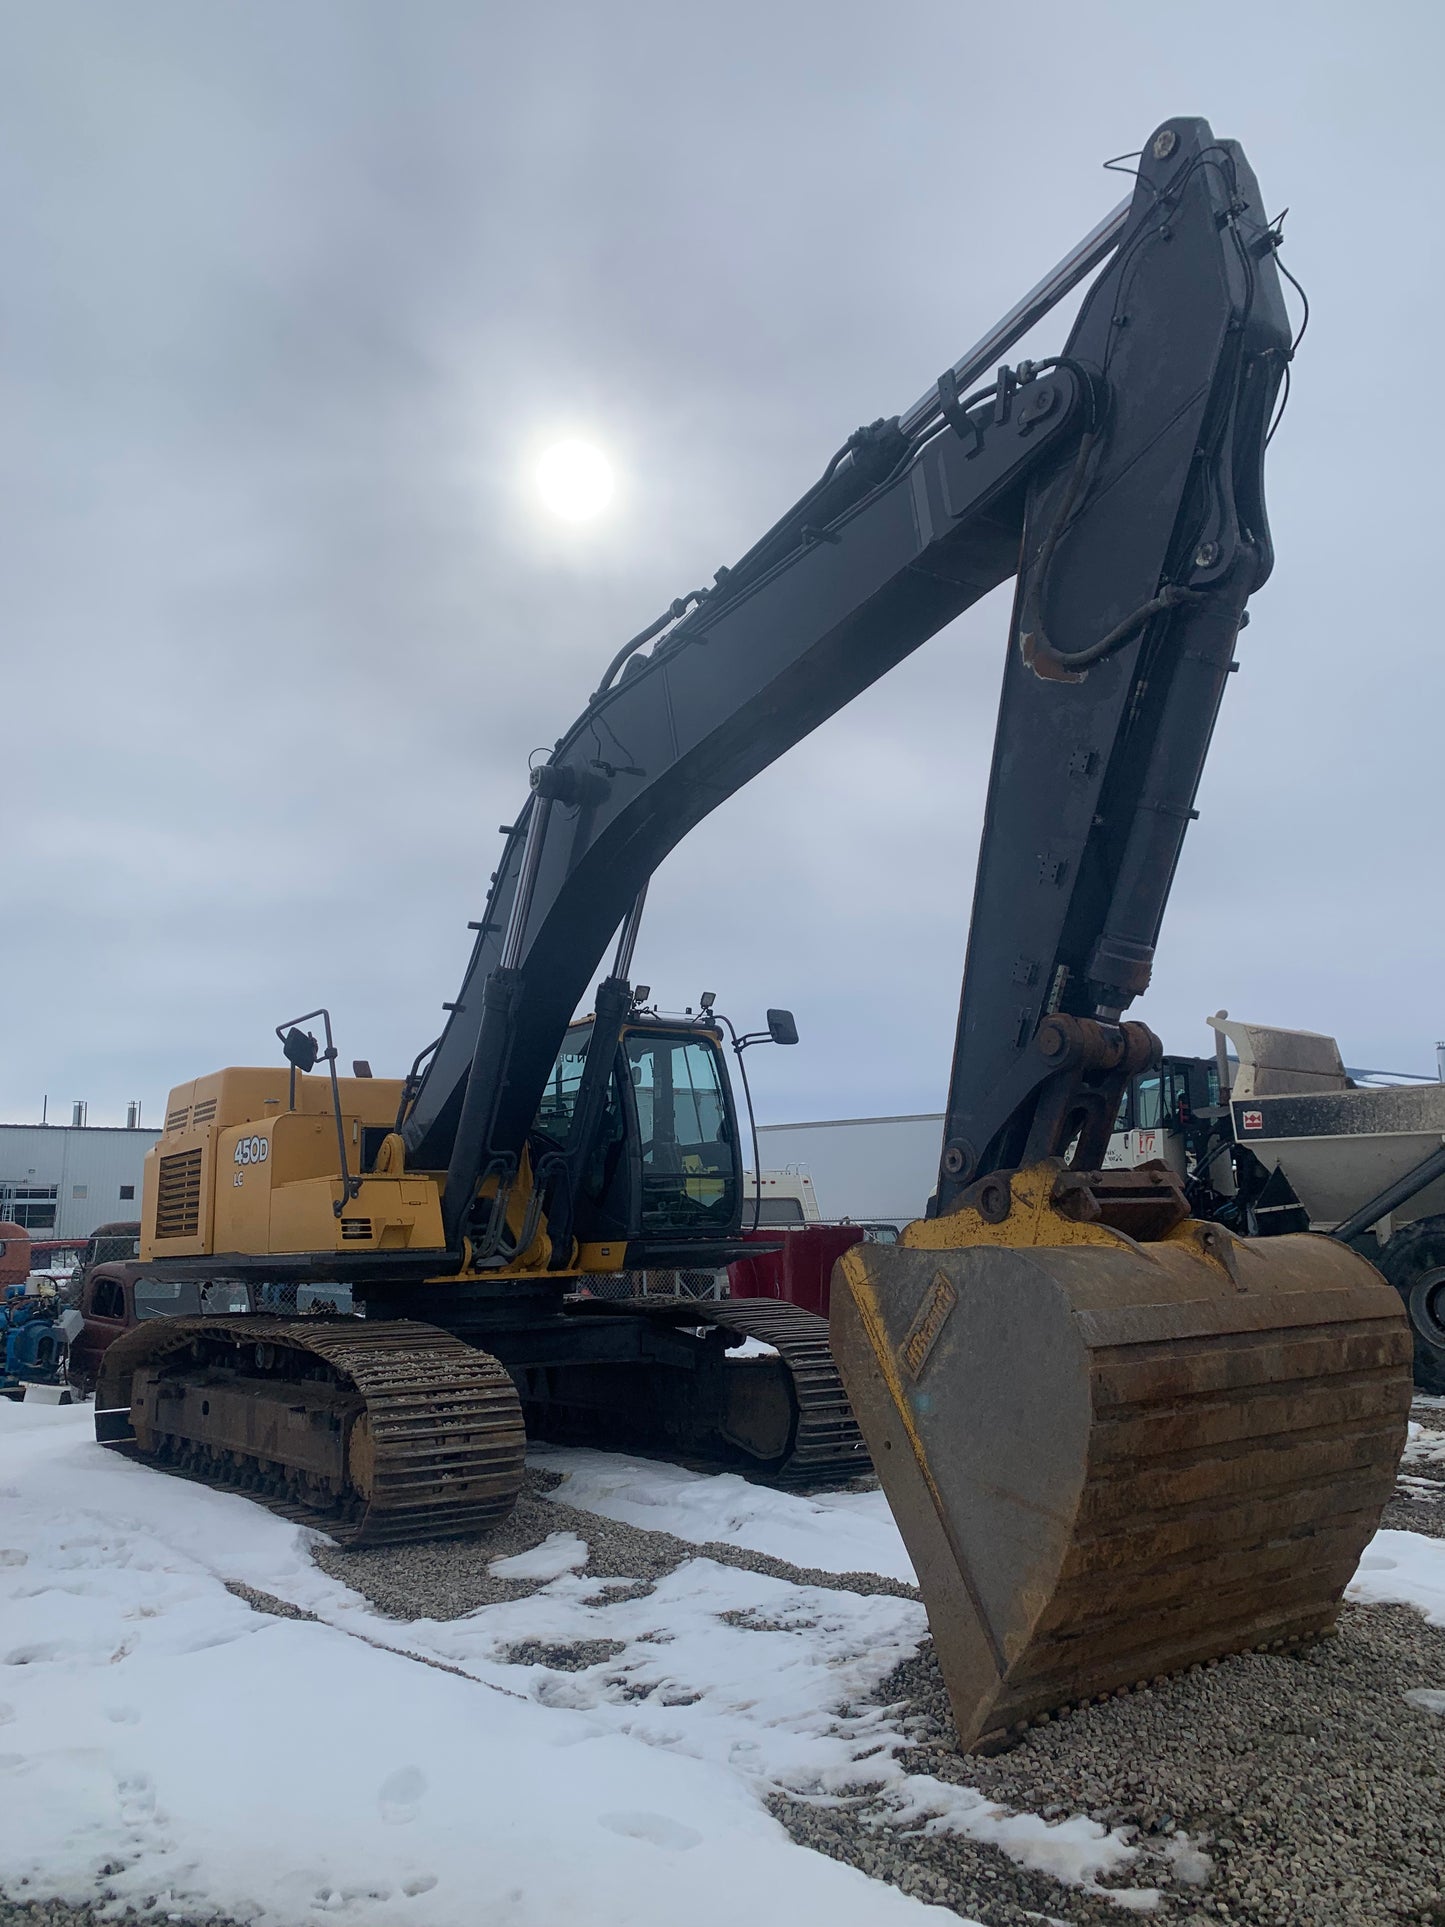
{"points": [[664, 1165]]}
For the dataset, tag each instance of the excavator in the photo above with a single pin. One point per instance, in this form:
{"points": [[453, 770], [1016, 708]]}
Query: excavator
{"points": [[1118, 1441]]}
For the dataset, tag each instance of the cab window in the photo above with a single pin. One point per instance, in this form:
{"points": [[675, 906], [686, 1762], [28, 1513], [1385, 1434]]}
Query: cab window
{"points": [[559, 1100], [225, 1294], [689, 1167], [108, 1299], [1147, 1100], [772, 1211], [166, 1297]]}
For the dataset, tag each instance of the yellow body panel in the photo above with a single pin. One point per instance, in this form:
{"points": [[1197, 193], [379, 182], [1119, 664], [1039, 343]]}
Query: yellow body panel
{"points": [[237, 1170], [600, 1257], [387, 1214]]}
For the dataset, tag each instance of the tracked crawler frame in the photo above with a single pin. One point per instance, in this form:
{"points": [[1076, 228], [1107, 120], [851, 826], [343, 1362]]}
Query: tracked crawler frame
{"points": [[376, 1432]]}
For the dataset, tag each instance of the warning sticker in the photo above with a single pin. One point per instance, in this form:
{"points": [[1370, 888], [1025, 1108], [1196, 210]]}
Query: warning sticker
{"points": [[1252, 1121]]}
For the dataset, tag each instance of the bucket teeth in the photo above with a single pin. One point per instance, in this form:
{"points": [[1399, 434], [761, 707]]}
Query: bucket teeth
{"points": [[1110, 1461]]}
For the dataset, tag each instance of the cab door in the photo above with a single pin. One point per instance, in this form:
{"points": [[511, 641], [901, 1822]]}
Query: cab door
{"points": [[665, 1165], [688, 1166], [106, 1314]]}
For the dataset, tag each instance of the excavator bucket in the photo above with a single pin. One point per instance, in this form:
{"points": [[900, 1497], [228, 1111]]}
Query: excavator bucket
{"points": [[1112, 1458]]}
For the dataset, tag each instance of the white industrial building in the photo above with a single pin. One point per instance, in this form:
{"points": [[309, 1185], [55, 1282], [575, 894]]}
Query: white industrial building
{"points": [[876, 1170], [61, 1181]]}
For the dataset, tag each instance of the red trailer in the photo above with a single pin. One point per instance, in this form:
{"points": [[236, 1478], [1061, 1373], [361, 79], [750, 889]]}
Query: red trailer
{"points": [[799, 1264]]}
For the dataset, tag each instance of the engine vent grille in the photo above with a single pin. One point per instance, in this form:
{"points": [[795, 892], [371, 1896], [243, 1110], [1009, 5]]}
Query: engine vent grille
{"points": [[178, 1196], [356, 1228], [204, 1112], [178, 1120]]}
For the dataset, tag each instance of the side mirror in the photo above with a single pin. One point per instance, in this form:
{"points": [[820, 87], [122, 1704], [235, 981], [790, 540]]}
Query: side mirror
{"points": [[781, 1027], [300, 1049]]}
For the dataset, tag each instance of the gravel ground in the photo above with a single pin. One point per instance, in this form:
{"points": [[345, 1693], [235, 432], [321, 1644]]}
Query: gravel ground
{"points": [[1419, 1504], [1314, 1787], [447, 1578], [1312, 1792], [1310, 1782], [58, 1913]]}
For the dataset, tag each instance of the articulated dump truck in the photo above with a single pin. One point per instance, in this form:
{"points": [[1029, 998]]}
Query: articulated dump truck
{"points": [[1117, 1440]]}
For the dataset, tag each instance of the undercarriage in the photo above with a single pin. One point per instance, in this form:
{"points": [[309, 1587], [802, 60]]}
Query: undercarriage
{"points": [[380, 1430]]}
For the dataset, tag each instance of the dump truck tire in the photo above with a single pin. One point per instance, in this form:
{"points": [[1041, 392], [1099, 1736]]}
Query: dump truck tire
{"points": [[1110, 1460], [1414, 1263]]}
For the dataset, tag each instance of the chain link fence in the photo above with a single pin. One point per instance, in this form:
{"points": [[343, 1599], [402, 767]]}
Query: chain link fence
{"points": [[654, 1284]]}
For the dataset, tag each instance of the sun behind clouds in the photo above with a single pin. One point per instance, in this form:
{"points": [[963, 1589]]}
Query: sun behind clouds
{"points": [[574, 480]]}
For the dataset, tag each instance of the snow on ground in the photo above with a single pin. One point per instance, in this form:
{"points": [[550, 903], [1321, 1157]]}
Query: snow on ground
{"points": [[1402, 1568], [753, 1348], [559, 1552], [155, 1725], [1424, 1447], [829, 1531]]}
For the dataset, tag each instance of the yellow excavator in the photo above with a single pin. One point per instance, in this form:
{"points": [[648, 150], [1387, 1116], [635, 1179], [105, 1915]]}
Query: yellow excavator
{"points": [[1116, 1439]]}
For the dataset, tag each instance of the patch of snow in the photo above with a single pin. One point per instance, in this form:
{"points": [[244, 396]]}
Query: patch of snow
{"points": [[558, 1553], [160, 1728], [828, 1531], [1402, 1568], [753, 1348], [1078, 1851], [1423, 1447], [1191, 1864]]}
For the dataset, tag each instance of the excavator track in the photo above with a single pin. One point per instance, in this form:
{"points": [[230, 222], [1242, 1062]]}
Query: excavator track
{"points": [[376, 1433], [820, 1441], [827, 1443]]}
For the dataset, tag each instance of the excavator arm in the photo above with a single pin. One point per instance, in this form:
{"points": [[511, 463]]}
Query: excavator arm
{"points": [[1121, 484]]}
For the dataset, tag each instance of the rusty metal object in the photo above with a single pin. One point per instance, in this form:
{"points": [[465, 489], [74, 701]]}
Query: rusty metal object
{"points": [[1109, 1459], [378, 1433]]}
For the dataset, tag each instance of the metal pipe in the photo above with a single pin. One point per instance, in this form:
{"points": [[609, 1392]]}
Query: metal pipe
{"points": [[985, 354], [627, 938], [1400, 1192], [540, 811]]}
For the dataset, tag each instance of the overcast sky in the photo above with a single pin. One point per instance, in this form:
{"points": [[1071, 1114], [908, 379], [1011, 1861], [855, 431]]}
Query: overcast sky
{"points": [[291, 296]]}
